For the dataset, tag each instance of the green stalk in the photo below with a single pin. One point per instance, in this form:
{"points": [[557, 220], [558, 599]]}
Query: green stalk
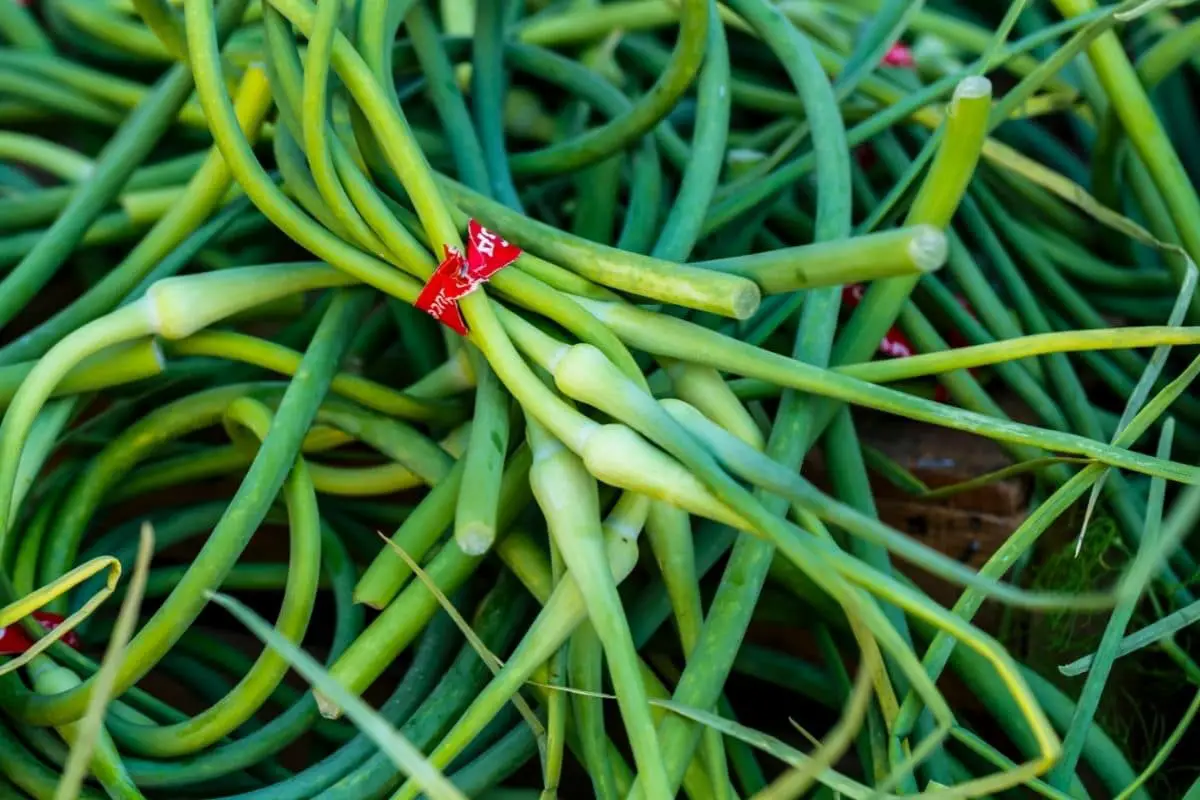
{"points": [[909, 252], [935, 204], [563, 611], [386, 575], [585, 671], [672, 338], [1114, 631], [137, 135], [568, 498], [476, 510], [229, 537], [1129, 100], [669, 531], [1038, 522], [299, 597], [400, 622]]}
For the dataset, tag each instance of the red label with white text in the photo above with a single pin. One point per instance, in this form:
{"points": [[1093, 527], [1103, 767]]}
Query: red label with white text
{"points": [[458, 275], [14, 640]]}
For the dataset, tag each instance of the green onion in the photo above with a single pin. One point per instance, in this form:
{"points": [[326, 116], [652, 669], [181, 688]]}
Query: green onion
{"points": [[748, 231]]}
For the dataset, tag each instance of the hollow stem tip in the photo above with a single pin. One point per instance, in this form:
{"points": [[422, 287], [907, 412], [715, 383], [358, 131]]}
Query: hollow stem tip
{"points": [[928, 248], [971, 87]]}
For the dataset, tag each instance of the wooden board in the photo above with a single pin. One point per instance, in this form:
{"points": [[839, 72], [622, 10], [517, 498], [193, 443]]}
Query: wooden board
{"points": [[968, 526]]}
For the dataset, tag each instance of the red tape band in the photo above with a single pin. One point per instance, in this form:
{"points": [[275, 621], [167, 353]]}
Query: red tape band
{"points": [[14, 640], [458, 275]]}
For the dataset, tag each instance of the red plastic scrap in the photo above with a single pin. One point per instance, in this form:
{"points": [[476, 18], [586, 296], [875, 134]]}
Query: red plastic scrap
{"points": [[896, 345], [458, 275], [900, 55], [14, 640]]}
